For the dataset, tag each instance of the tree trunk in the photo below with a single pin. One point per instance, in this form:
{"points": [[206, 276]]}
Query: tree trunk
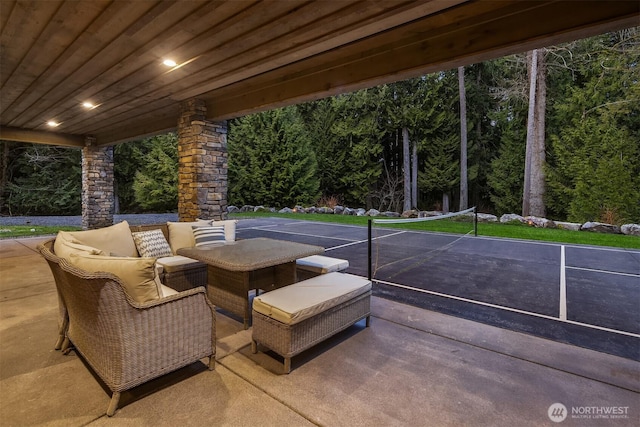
{"points": [[534, 180], [406, 166], [445, 202], [464, 191], [414, 176]]}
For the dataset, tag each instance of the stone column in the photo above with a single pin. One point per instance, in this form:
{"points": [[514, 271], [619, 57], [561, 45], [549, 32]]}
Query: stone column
{"points": [[202, 170], [97, 185]]}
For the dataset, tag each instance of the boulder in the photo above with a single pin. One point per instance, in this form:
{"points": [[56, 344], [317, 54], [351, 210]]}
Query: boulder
{"points": [[233, 209], [410, 214], [600, 227], [337, 209], [630, 229], [285, 210], [247, 208], [390, 214], [424, 214], [310, 209], [538, 222], [299, 209], [361, 212], [573, 226], [324, 210], [261, 209], [511, 217], [372, 212], [483, 217], [348, 211]]}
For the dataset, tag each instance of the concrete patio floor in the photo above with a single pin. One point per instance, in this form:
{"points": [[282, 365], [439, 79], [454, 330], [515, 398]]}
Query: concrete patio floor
{"points": [[412, 367]]}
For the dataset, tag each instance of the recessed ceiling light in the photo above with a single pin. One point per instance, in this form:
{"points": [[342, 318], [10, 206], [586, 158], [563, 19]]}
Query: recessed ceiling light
{"points": [[53, 123], [88, 105], [169, 62]]}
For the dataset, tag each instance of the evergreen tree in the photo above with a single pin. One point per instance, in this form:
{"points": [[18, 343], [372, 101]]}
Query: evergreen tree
{"points": [[156, 182], [270, 160], [596, 155], [43, 180]]}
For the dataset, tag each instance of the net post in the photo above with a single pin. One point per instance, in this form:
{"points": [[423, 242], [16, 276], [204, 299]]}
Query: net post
{"points": [[475, 221], [369, 249]]}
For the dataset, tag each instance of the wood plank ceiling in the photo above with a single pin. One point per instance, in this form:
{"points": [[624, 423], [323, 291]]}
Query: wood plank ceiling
{"points": [[244, 56]]}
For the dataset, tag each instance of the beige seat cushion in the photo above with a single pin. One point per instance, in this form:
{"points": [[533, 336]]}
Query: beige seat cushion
{"points": [[137, 274], [181, 234], [175, 263], [294, 303], [322, 264], [66, 244], [115, 239]]}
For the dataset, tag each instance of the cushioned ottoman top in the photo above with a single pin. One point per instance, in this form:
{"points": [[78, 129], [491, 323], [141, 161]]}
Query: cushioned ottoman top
{"points": [[322, 264], [294, 303]]}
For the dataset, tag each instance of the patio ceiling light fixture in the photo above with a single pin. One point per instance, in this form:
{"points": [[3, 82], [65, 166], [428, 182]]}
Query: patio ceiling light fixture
{"points": [[89, 105], [169, 62], [53, 123]]}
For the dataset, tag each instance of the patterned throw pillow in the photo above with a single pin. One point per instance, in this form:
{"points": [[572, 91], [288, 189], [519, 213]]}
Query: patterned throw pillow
{"points": [[151, 244], [208, 235]]}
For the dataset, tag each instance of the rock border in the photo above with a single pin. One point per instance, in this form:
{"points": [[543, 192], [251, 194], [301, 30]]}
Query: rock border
{"points": [[534, 221]]}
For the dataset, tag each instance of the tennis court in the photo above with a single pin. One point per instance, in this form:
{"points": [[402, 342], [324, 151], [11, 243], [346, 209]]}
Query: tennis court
{"points": [[581, 295]]}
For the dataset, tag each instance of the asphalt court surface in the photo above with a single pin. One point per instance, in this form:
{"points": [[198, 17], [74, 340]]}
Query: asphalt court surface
{"points": [[581, 295]]}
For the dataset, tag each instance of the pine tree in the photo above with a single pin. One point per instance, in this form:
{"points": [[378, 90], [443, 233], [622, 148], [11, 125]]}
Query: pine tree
{"points": [[271, 161]]}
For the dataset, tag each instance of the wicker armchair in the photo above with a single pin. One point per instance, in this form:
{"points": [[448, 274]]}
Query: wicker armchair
{"points": [[124, 342]]}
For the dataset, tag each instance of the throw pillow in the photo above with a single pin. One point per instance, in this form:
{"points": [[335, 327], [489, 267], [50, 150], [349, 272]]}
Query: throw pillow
{"points": [[116, 238], [137, 274], [181, 234], [66, 244], [151, 243], [213, 234], [229, 228]]}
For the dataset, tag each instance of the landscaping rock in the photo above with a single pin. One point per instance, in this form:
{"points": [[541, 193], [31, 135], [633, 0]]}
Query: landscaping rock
{"points": [[630, 229], [299, 209], [410, 214], [390, 214], [324, 210], [483, 217], [539, 222], [261, 209], [361, 212], [247, 208], [310, 209], [348, 211], [285, 210], [511, 217], [233, 209], [573, 226], [600, 227], [372, 212], [424, 214], [337, 209]]}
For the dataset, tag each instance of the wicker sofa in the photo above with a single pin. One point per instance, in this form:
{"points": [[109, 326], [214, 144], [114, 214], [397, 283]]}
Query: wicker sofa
{"points": [[114, 250], [125, 342]]}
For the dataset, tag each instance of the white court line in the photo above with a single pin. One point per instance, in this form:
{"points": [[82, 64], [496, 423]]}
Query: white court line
{"points": [[563, 285], [361, 241], [514, 310], [593, 270]]}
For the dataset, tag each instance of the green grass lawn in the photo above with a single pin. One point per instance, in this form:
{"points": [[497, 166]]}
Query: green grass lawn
{"points": [[11, 231], [509, 230]]}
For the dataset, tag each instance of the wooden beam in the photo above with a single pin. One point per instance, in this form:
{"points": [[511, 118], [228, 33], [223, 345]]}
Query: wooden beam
{"points": [[474, 38], [40, 137]]}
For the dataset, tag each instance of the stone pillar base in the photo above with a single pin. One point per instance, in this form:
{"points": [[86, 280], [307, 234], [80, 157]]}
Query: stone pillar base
{"points": [[97, 186]]}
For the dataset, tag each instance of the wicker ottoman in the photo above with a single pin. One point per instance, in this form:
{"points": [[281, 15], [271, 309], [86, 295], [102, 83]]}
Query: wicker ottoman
{"points": [[292, 319], [316, 265]]}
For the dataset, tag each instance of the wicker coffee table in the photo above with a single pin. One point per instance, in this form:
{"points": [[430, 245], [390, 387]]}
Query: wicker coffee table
{"points": [[237, 268]]}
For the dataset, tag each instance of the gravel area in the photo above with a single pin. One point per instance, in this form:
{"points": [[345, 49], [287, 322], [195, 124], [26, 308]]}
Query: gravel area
{"points": [[76, 220]]}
